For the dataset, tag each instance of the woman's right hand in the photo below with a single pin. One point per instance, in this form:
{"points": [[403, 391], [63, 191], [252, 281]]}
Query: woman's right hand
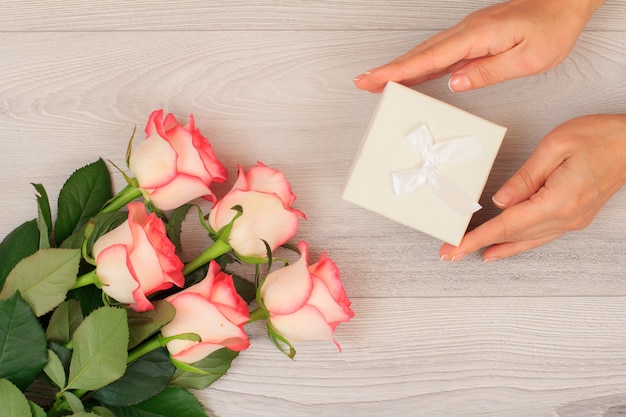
{"points": [[504, 41]]}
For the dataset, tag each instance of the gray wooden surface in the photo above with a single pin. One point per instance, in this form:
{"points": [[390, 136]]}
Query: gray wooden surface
{"points": [[541, 334]]}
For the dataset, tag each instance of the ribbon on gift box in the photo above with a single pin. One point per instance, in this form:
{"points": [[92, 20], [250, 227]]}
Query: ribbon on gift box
{"points": [[460, 149]]}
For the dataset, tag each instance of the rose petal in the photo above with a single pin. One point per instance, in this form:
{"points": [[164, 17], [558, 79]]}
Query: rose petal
{"points": [[153, 163], [121, 235], [327, 271], [327, 305], [214, 328], [264, 218], [181, 189], [268, 180], [305, 324], [287, 289], [118, 280]]}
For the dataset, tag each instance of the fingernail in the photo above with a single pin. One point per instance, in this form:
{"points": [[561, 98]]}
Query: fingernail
{"points": [[489, 260], [444, 257], [365, 74], [457, 257], [458, 83], [503, 197]]}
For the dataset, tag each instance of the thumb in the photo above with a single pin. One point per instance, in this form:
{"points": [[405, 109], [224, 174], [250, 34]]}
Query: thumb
{"points": [[531, 176], [486, 71]]}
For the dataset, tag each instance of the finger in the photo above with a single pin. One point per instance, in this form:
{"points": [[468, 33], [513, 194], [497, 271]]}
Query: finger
{"points": [[418, 64], [508, 249], [503, 62], [528, 220], [531, 176]]}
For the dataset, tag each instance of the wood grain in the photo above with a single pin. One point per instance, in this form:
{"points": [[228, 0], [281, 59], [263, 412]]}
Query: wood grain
{"points": [[443, 357], [228, 15], [541, 334], [287, 100]]}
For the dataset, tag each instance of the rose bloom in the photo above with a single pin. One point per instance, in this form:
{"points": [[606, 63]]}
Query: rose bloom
{"points": [[266, 198], [175, 164], [136, 259], [306, 302], [213, 310]]}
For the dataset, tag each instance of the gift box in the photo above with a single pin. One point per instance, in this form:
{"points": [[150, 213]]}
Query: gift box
{"points": [[423, 163]]}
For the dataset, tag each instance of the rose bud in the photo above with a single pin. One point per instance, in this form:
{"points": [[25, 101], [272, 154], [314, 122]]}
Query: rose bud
{"points": [[306, 302], [213, 310], [136, 259], [265, 197], [175, 164]]}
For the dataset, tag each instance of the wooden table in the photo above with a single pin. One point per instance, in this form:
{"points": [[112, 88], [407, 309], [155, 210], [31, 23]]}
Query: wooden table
{"points": [[541, 334]]}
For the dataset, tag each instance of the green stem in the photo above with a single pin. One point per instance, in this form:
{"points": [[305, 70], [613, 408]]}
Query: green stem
{"points": [[128, 194], [258, 314], [218, 248], [59, 408], [84, 280], [148, 346]]}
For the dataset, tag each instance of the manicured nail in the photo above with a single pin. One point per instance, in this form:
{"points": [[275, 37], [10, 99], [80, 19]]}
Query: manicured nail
{"points": [[457, 257], [458, 83], [365, 74], [503, 197], [444, 257], [489, 260]]}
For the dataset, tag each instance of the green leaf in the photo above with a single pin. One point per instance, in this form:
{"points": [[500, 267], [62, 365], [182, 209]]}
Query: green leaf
{"points": [[84, 414], [82, 196], [100, 344], [44, 220], [12, 402], [144, 378], [215, 365], [172, 402], [23, 241], [23, 343], [43, 278], [175, 223], [64, 354], [244, 288], [55, 370], [36, 410], [64, 321], [76, 405], [143, 325], [102, 411], [89, 297]]}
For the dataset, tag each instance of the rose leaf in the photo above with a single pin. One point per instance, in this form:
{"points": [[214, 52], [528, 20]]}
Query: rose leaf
{"points": [[21, 336], [100, 354], [215, 365], [12, 402], [144, 378], [43, 278], [82, 196], [172, 402], [23, 241]]}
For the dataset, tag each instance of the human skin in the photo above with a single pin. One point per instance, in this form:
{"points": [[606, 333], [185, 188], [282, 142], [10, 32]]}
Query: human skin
{"points": [[574, 170]]}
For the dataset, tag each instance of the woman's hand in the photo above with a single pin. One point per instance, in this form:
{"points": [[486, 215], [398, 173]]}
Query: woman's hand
{"points": [[573, 172], [501, 42]]}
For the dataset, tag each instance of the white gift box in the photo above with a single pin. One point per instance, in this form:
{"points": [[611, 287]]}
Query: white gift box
{"points": [[423, 163]]}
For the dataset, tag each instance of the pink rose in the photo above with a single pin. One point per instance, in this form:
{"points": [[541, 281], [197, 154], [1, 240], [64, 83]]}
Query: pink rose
{"points": [[266, 198], [213, 310], [175, 164], [306, 302], [136, 259]]}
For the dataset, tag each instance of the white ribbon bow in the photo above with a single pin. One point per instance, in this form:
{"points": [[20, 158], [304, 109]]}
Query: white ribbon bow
{"points": [[433, 154]]}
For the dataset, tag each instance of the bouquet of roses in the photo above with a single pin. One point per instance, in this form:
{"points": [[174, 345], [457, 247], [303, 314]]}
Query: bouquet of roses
{"points": [[100, 317]]}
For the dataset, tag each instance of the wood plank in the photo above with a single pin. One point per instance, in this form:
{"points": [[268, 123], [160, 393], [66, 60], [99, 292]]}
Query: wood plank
{"points": [[226, 15], [442, 357], [287, 99]]}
